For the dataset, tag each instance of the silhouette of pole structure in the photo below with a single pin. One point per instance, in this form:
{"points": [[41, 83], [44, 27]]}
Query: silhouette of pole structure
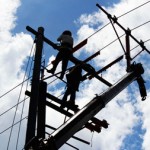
{"points": [[31, 125], [76, 122], [72, 58], [82, 116]]}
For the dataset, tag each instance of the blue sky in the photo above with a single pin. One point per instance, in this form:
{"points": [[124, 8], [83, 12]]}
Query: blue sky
{"points": [[127, 115], [50, 14]]}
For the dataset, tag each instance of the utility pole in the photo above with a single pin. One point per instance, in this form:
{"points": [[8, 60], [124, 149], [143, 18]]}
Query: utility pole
{"points": [[31, 125]]}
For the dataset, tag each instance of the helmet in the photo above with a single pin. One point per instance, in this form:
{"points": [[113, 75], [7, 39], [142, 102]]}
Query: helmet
{"points": [[67, 32]]}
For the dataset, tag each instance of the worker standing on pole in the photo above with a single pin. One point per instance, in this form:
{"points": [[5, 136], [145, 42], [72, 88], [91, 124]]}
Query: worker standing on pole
{"points": [[66, 45], [73, 80]]}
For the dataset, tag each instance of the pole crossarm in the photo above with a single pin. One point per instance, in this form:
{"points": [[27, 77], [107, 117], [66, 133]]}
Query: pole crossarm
{"points": [[125, 30], [64, 132], [76, 61]]}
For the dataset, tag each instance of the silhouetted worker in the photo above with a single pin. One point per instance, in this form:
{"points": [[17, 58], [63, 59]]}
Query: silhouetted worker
{"points": [[63, 55], [73, 80]]}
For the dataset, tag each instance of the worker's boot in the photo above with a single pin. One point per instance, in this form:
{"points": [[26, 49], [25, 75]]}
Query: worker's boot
{"points": [[72, 103], [51, 71]]}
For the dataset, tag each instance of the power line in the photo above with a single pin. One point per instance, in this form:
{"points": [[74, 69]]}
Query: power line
{"points": [[112, 42], [141, 25], [13, 107], [119, 17], [133, 9], [21, 82], [19, 96], [13, 125], [15, 87], [124, 34], [23, 107]]}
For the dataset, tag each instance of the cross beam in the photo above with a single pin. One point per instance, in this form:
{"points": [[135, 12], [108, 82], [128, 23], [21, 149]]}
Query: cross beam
{"points": [[125, 30], [76, 61]]}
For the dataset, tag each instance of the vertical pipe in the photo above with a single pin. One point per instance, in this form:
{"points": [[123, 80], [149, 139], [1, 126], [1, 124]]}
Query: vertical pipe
{"points": [[41, 117], [31, 125], [128, 50]]}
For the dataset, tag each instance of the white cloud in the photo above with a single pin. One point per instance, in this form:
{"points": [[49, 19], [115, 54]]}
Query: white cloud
{"points": [[14, 51], [122, 118], [145, 109]]}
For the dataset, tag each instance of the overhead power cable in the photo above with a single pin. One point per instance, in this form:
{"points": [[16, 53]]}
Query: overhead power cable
{"points": [[19, 96], [119, 17], [141, 25], [13, 107], [15, 87], [13, 125], [19, 83], [124, 35], [133, 9], [29, 74], [118, 37]]}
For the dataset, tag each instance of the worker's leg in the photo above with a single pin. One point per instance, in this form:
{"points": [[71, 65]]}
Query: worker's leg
{"points": [[64, 99], [58, 58], [72, 97], [65, 60], [64, 67]]}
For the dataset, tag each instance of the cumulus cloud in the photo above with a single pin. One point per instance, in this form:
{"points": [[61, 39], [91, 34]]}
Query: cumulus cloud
{"points": [[14, 51], [122, 117]]}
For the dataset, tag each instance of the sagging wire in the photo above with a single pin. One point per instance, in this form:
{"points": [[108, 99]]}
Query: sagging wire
{"points": [[19, 96], [13, 106], [13, 125], [124, 35], [141, 25], [119, 17], [24, 98], [133, 9], [15, 87]]}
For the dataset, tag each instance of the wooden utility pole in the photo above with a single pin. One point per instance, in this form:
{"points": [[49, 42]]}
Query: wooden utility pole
{"points": [[31, 125]]}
